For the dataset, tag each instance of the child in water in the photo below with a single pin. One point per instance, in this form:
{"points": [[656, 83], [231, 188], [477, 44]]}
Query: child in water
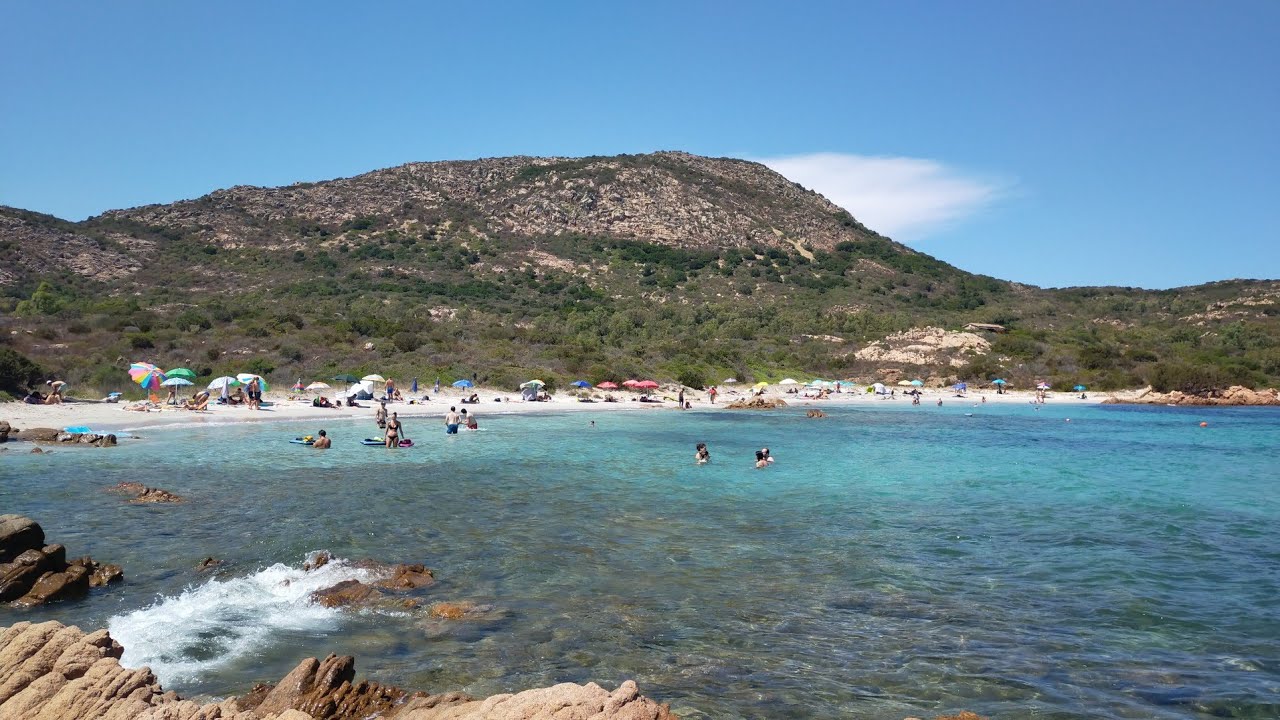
{"points": [[703, 456]]}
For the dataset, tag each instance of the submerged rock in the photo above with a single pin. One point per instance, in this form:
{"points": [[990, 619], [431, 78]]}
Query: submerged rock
{"points": [[143, 494], [49, 670], [757, 403]]}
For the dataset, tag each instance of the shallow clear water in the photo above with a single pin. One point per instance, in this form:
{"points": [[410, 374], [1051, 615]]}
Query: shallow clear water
{"points": [[894, 561]]}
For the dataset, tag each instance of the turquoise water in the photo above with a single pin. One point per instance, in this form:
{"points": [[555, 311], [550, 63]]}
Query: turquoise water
{"points": [[895, 560]]}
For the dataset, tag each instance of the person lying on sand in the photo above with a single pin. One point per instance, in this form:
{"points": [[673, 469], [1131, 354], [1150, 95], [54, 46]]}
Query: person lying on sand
{"points": [[198, 402]]}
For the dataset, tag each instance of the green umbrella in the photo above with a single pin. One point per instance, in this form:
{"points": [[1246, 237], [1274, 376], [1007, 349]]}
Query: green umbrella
{"points": [[181, 373], [346, 377]]}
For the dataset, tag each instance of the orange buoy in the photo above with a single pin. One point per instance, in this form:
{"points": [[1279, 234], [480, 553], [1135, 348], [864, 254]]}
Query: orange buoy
{"points": [[1204, 424]]}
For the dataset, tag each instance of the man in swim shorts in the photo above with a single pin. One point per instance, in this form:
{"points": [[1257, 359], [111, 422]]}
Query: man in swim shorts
{"points": [[322, 442], [451, 421]]}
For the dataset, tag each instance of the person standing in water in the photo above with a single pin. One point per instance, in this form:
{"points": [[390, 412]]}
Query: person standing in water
{"points": [[451, 421], [380, 415], [322, 442], [393, 432], [703, 456]]}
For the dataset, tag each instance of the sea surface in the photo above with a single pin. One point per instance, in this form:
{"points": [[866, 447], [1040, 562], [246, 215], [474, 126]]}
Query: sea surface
{"points": [[894, 561]]}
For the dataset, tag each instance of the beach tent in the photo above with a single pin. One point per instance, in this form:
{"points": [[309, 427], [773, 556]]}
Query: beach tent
{"points": [[879, 388], [361, 391], [788, 381]]}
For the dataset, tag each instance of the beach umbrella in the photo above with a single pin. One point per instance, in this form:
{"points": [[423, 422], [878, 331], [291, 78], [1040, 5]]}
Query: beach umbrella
{"points": [[464, 383], [223, 382], [1080, 388], [918, 383], [176, 382], [317, 386], [345, 377], [582, 384], [788, 381], [960, 386], [999, 381], [374, 378], [532, 383], [647, 385], [607, 385], [904, 383], [146, 375], [1042, 386], [182, 373], [298, 385], [246, 378], [630, 383], [759, 385]]}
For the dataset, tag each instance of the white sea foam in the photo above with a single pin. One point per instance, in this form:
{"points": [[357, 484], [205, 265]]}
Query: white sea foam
{"points": [[209, 625]]}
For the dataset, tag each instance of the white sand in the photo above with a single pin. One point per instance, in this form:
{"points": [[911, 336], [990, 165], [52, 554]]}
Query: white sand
{"points": [[111, 417]]}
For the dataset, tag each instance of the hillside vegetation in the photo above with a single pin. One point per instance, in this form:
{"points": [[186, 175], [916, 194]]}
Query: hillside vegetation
{"points": [[668, 265]]}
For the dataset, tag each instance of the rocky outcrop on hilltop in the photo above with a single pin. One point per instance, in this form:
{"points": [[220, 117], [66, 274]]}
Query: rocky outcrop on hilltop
{"points": [[46, 247], [32, 573], [671, 198], [1236, 395], [929, 346], [49, 670]]}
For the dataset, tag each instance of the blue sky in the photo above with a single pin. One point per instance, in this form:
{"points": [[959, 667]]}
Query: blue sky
{"points": [[1127, 143]]}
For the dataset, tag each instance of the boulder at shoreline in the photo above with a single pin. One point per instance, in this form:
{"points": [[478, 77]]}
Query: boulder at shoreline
{"points": [[1234, 396], [57, 671]]}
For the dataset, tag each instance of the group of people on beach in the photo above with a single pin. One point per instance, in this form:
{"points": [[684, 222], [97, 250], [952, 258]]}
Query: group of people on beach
{"points": [[53, 397]]}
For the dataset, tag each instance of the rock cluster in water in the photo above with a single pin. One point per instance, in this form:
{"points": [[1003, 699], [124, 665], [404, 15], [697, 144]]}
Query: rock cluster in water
{"points": [[32, 573], [757, 403], [49, 670], [54, 435], [143, 494]]}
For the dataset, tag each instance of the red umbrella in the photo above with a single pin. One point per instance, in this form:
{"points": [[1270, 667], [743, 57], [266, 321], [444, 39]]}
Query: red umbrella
{"points": [[608, 386], [647, 384], [630, 383]]}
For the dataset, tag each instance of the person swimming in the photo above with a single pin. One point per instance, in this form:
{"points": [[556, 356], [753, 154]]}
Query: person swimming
{"points": [[702, 456], [761, 462], [323, 442]]}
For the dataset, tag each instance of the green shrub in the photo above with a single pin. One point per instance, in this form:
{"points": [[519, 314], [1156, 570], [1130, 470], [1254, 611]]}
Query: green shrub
{"points": [[17, 372]]}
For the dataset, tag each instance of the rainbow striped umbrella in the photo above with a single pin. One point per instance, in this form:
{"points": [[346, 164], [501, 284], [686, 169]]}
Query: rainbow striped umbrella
{"points": [[146, 375]]}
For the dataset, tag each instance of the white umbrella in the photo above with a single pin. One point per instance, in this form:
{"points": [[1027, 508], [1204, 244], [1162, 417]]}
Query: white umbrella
{"points": [[222, 382], [318, 386], [374, 378], [730, 381], [176, 381], [789, 381]]}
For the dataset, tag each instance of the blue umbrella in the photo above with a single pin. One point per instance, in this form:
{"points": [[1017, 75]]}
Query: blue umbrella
{"points": [[582, 384], [463, 384], [999, 381], [1080, 388], [918, 383], [960, 386]]}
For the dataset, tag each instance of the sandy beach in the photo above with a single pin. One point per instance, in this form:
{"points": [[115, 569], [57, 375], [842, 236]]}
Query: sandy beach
{"points": [[112, 417]]}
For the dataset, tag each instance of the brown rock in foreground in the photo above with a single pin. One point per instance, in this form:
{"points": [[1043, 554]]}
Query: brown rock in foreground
{"points": [[52, 435], [32, 573], [49, 670]]}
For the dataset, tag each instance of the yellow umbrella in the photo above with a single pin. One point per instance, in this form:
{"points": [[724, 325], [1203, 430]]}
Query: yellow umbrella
{"points": [[759, 385]]}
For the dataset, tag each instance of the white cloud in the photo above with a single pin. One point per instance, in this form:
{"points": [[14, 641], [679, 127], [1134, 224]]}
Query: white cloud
{"points": [[904, 198]]}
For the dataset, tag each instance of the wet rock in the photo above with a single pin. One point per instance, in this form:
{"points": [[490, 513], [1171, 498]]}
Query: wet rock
{"points": [[208, 563], [346, 594], [108, 440], [5, 429], [72, 582], [461, 610], [19, 534], [37, 451], [321, 559], [38, 434], [815, 414], [407, 577], [39, 574], [143, 494]]}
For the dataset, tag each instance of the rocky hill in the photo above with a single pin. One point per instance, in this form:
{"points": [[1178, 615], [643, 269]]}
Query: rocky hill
{"points": [[669, 264]]}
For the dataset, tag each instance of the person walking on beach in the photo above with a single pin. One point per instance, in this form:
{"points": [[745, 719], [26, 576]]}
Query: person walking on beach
{"points": [[393, 432], [712, 392], [680, 398], [322, 442], [451, 421]]}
